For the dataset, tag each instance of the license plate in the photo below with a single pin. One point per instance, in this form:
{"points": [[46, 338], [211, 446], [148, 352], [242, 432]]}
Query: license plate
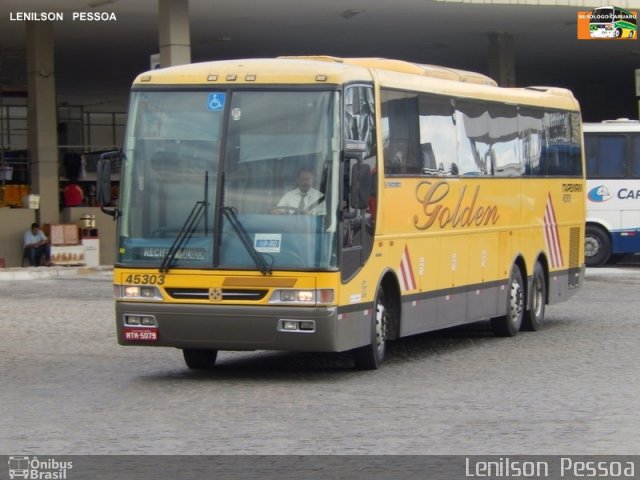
{"points": [[149, 334]]}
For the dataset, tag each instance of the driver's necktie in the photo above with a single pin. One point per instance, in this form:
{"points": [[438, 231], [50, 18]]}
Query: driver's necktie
{"points": [[301, 204]]}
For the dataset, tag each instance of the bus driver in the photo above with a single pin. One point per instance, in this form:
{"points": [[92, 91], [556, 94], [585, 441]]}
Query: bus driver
{"points": [[304, 199]]}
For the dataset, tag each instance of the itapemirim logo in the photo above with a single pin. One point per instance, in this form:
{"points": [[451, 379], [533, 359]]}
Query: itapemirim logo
{"points": [[608, 23], [34, 468], [599, 194]]}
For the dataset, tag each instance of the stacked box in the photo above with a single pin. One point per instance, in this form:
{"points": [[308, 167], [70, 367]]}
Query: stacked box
{"points": [[71, 235], [64, 234], [31, 201]]}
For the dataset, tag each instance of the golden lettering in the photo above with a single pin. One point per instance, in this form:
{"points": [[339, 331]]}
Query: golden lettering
{"points": [[428, 199], [465, 213]]}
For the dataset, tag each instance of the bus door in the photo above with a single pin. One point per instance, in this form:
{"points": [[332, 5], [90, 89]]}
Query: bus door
{"points": [[358, 209]]}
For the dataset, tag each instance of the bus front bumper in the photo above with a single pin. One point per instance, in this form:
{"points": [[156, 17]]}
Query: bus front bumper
{"points": [[227, 327]]}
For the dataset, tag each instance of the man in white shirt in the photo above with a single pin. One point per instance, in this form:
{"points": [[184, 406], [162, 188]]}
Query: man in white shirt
{"points": [[304, 199], [36, 245]]}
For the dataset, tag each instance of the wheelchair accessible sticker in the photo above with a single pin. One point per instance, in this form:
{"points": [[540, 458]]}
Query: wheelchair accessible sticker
{"points": [[215, 102]]}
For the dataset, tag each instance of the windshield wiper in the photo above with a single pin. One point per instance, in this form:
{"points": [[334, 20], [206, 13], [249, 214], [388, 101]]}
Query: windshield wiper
{"points": [[188, 227], [256, 256], [185, 232]]}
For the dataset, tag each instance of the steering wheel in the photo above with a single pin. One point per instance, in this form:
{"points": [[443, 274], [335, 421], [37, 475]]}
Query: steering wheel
{"points": [[285, 210]]}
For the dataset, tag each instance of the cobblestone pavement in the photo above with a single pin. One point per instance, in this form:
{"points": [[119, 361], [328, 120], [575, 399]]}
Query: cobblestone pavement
{"points": [[572, 388]]}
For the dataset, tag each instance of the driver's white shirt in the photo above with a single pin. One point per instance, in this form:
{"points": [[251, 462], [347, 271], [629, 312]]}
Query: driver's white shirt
{"points": [[292, 199]]}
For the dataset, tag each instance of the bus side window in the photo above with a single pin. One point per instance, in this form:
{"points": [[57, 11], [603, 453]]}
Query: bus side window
{"points": [[612, 154], [635, 155], [400, 125], [428, 158], [437, 135], [473, 149]]}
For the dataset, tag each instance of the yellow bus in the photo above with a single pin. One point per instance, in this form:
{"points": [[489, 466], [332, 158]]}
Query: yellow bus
{"points": [[335, 204]]}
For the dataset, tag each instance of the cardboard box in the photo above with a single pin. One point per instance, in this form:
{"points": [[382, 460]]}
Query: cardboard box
{"points": [[31, 201], [64, 234], [56, 234], [71, 235]]}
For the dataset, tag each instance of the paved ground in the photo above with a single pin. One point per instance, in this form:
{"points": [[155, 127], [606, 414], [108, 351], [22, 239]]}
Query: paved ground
{"points": [[569, 389]]}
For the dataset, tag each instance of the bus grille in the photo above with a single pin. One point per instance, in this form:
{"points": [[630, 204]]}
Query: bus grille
{"points": [[227, 294]]}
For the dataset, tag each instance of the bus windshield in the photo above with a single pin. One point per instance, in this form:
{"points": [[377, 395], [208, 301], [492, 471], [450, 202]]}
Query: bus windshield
{"points": [[602, 15], [208, 179]]}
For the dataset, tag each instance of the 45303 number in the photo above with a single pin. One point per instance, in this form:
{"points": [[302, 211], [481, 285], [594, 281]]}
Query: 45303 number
{"points": [[144, 279]]}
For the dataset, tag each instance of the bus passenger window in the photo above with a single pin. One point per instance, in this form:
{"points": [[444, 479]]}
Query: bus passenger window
{"points": [[400, 128], [437, 135], [429, 166], [474, 143], [503, 137], [611, 152], [635, 156]]}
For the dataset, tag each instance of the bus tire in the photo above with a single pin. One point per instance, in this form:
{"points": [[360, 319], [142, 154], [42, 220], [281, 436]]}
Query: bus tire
{"points": [[597, 246], [199, 359], [509, 324], [370, 356], [618, 32], [534, 317]]}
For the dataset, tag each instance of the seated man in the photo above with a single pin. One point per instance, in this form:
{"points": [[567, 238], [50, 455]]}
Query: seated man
{"points": [[304, 199], [36, 244]]}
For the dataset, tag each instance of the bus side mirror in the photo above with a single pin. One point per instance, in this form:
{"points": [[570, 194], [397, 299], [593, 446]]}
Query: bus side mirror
{"points": [[103, 182], [360, 186]]}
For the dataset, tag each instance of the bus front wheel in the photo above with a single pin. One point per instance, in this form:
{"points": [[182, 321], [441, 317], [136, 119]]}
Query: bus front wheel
{"points": [[509, 324], [199, 359], [370, 356], [597, 247]]}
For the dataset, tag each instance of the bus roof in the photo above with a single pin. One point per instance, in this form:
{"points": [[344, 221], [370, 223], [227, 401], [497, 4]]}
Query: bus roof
{"points": [[318, 70], [401, 66], [618, 125]]}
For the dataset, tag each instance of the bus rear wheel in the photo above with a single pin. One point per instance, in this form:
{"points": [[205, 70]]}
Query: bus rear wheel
{"points": [[597, 247], [370, 356], [509, 324], [199, 359], [534, 317]]}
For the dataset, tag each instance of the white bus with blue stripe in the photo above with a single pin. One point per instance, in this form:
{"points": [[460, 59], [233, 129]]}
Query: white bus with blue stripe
{"points": [[612, 152]]}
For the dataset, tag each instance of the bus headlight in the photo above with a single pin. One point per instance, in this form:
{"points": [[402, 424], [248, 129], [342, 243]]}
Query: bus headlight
{"points": [[324, 296], [137, 292]]}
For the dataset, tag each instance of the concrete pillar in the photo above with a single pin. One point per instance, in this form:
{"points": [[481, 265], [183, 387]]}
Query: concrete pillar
{"points": [[502, 59], [175, 37], [42, 119]]}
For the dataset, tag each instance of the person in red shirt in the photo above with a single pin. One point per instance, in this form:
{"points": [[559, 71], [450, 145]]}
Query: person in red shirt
{"points": [[73, 194]]}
